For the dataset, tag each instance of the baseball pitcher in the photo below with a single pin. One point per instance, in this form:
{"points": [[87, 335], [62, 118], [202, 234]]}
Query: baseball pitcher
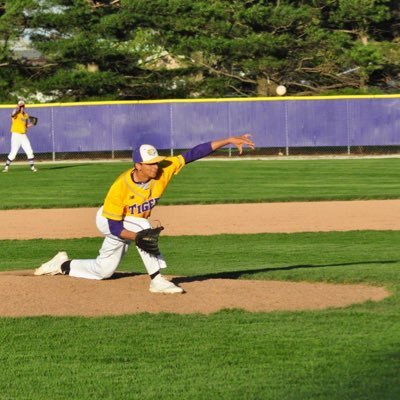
{"points": [[123, 218]]}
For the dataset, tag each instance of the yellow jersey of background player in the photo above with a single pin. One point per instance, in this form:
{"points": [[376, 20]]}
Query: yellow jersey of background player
{"points": [[19, 119]]}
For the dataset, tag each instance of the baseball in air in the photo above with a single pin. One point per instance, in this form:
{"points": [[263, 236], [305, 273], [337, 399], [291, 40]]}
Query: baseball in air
{"points": [[280, 90]]}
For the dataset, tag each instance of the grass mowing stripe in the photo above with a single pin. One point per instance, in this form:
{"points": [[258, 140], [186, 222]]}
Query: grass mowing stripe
{"points": [[357, 256], [85, 185], [324, 355], [349, 353]]}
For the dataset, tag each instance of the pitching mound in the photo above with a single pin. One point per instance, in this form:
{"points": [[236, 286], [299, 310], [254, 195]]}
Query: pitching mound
{"points": [[23, 294]]}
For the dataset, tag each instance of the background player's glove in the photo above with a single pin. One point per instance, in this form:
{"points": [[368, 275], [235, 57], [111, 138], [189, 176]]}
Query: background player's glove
{"points": [[33, 120], [147, 240]]}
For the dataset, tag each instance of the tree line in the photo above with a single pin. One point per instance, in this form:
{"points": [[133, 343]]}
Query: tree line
{"points": [[158, 49]]}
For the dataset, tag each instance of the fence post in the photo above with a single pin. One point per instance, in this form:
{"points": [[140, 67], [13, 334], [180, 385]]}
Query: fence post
{"points": [[171, 130], [286, 129], [347, 127], [53, 143], [229, 129], [112, 138]]}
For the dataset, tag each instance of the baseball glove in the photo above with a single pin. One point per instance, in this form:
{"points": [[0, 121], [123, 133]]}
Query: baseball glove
{"points": [[147, 240], [33, 120]]}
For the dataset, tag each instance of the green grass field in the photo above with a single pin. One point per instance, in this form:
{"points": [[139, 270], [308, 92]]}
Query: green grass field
{"points": [[348, 353], [83, 185]]}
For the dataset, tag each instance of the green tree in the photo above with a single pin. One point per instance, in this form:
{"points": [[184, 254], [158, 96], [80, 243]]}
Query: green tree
{"points": [[13, 25], [140, 49], [365, 20], [246, 48]]}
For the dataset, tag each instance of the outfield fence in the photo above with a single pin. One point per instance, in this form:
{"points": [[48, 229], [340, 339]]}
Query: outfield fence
{"points": [[285, 126]]}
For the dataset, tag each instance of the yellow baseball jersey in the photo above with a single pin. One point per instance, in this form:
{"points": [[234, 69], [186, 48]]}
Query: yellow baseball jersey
{"points": [[125, 198], [19, 122]]}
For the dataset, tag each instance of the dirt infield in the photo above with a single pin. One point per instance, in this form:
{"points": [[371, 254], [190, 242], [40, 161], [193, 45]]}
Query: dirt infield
{"points": [[22, 294], [214, 219]]}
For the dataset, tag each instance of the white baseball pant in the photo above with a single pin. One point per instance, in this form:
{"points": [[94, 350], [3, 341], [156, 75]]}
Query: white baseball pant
{"points": [[112, 251], [20, 140]]}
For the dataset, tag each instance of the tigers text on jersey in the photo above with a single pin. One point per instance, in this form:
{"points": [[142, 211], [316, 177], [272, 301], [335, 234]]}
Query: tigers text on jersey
{"points": [[125, 198], [19, 122]]}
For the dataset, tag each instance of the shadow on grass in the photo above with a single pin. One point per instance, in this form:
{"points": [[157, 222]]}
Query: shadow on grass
{"points": [[238, 274], [68, 166]]}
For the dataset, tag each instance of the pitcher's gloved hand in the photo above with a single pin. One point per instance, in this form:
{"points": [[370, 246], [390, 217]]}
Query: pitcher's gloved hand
{"points": [[147, 240]]}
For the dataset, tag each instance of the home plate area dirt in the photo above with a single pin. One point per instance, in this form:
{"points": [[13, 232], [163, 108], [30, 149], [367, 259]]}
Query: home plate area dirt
{"points": [[23, 294]]}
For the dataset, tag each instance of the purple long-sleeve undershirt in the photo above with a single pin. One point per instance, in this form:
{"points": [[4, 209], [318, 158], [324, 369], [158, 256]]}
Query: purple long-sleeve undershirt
{"points": [[197, 152], [115, 227]]}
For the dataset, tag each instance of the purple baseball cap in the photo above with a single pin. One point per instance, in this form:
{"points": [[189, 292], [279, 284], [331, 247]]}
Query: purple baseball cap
{"points": [[146, 154]]}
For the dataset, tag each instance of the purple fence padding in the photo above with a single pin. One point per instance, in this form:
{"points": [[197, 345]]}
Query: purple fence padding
{"points": [[265, 120], [142, 123], [317, 124], [181, 125], [82, 128], [195, 123], [373, 122]]}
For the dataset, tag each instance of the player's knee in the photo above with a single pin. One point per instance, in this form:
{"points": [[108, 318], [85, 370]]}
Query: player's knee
{"points": [[105, 276], [105, 270]]}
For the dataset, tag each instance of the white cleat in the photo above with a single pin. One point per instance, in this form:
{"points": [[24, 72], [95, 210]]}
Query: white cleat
{"points": [[33, 169], [5, 169], [161, 285], [52, 267]]}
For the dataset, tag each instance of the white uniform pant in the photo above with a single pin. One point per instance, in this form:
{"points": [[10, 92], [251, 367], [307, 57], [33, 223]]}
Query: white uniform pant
{"points": [[20, 140], [112, 251]]}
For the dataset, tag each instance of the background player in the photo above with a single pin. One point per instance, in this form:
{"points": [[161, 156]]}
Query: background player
{"points": [[126, 210], [19, 138]]}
